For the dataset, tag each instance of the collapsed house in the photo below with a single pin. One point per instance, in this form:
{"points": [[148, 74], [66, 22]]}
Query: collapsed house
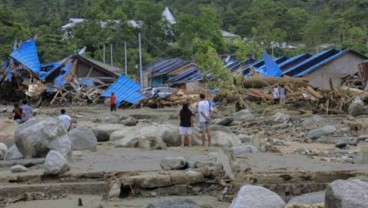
{"points": [[73, 79]]}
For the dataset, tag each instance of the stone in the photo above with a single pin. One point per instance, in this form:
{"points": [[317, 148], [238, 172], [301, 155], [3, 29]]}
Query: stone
{"points": [[83, 139], [320, 205], [129, 122], [104, 132], [349, 193], [13, 153], [3, 150], [18, 169], [309, 198], [256, 197], [238, 150], [37, 136], [317, 133], [220, 128], [356, 109], [341, 145], [245, 138], [281, 117], [227, 121], [174, 203], [173, 163], [55, 163], [312, 120], [243, 115], [353, 141], [106, 118], [224, 139]]}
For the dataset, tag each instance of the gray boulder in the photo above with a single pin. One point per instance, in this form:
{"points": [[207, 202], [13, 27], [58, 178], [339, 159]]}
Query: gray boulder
{"points": [[36, 137], [129, 122], [245, 138], [281, 117], [220, 128], [257, 197], [317, 133], [224, 139], [173, 203], [13, 153], [238, 150], [18, 169], [173, 163], [351, 193], [312, 120], [3, 150], [309, 198], [104, 132], [55, 163], [244, 115], [356, 109], [227, 121], [83, 139]]}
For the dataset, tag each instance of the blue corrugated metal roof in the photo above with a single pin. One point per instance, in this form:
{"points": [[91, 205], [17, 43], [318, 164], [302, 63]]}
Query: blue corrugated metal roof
{"points": [[294, 60], [27, 55], [184, 75], [312, 63], [271, 68], [125, 90], [259, 66], [60, 80]]}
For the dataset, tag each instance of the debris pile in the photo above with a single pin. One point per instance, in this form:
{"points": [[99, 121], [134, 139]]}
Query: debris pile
{"points": [[174, 99]]}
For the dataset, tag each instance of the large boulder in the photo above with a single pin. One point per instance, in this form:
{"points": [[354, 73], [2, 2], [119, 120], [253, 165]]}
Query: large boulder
{"points": [[315, 119], [174, 203], [257, 197], [83, 139], [55, 163], [222, 139], [309, 198], [244, 115], [7, 129], [173, 163], [317, 133], [3, 150], [104, 132], [356, 109], [37, 136], [13, 153], [227, 121], [352, 193]]}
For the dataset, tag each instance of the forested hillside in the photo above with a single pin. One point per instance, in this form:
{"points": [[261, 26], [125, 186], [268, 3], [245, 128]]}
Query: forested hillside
{"points": [[307, 23]]}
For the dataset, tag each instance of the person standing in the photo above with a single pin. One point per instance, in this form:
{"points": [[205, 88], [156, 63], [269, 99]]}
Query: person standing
{"points": [[112, 102], [204, 110], [186, 123], [276, 94], [27, 110], [17, 114], [282, 94], [65, 119]]}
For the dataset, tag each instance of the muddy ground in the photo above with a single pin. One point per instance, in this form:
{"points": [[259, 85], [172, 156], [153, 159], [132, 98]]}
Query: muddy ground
{"points": [[292, 164]]}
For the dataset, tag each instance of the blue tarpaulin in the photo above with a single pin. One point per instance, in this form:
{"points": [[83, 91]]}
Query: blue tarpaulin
{"points": [[272, 69], [59, 80], [27, 55], [125, 90]]}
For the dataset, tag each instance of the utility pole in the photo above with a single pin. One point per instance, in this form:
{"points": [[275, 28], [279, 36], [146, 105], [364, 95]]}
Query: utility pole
{"points": [[111, 59], [103, 53], [126, 59], [140, 60]]}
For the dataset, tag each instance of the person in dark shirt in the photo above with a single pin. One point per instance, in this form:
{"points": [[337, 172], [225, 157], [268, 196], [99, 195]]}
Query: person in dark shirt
{"points": [[18, 114], [186, 123]]}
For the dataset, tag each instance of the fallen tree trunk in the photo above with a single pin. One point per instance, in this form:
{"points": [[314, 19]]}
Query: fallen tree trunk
{"points": [[259, 82]]}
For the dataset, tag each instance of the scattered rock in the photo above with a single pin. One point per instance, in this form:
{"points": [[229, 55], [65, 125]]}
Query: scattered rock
{"points": [[173, 163], [341, 145], [223, 139], [55, 163], [18, 169], [83, 139], [257, 197], [129, 122], [320, 205], [356, 109], [347, 194], [281, 117], [37, 136], [13, 153], [312, 120], [225, 121], [106, 118], [174, 203], [220, 128], [353, 141], [309, 199], [317, 133], [104, 132], [3, 150], [238, 150], [245, 138], [243, 115]]}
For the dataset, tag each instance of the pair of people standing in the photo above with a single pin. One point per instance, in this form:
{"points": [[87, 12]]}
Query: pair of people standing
{"points": [[186, 121], [279, 94]]}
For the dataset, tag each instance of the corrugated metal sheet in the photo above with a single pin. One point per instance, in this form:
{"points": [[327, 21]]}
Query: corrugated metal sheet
{"points": [[60, 80], [271, 68], [125, 90], [260, 66], [27, 55], [293, 61], [185, 75], [164, 66]]}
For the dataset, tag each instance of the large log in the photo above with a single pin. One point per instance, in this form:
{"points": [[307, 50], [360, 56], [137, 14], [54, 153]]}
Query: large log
{"points": [[259, 82]]}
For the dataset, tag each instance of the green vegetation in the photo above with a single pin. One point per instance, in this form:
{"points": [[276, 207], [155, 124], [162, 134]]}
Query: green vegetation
{"points": [[310, 23]]}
